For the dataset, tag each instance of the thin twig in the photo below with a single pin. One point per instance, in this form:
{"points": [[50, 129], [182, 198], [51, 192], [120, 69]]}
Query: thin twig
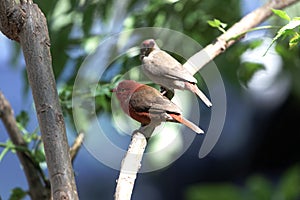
{"points": [[76, 146], [37, 188]]}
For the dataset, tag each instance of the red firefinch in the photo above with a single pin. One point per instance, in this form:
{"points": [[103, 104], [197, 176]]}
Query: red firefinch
{"points": [[166, 71], [147, 105]]}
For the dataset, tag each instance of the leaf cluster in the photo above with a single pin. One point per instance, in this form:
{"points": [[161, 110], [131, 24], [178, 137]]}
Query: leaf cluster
{"points": [[291, 29]]}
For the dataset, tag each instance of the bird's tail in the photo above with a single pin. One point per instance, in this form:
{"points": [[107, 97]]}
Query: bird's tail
{"points": [[197, 91], [187, 123]]}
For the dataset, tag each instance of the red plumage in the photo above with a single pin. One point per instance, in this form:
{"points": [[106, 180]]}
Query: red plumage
{"points": [[145, 104]]}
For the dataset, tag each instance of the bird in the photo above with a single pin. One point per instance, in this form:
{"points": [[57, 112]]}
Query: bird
{"points": [[147, 105], [163, 69]]}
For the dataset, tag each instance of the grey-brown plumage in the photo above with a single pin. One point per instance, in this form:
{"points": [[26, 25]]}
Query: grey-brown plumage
{"points": [[166, 71]]}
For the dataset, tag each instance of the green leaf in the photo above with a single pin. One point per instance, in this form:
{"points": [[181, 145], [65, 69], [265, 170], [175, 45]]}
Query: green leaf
{"points": [[104, 89], [290, 183], [243, 47], [282, 14], [214, 191], [259, 187], [294, 41], [255, 43], [296, 18], [3, 153], [284, 31], [17, 194], [29, 137], [116, 79], [217, 24], [23, 118], [247, 71], [39, 155], [11, 146], [88, 18], [22, 128]]}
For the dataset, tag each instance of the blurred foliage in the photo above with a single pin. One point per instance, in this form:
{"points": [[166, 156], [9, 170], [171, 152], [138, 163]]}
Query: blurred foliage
{"points": [[215, 192], [34, 150], [33, 140], [291, 60], [247, 70], [77, 27], [23, 118], [257, 187], [17, 194]]}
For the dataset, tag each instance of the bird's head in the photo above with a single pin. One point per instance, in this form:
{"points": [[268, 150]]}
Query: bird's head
{"points": [[125, 89], [147, 47]]}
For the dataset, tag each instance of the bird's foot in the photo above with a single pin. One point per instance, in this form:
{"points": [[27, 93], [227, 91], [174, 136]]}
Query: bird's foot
{"points": [[167, 93]]}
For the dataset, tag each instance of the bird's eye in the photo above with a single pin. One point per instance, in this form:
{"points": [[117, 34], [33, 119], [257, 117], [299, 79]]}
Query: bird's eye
{"points": [[151, 44], [122, 90]]}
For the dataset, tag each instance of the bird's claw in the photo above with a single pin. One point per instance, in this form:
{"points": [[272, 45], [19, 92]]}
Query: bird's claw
{"points": [[167, 93]]}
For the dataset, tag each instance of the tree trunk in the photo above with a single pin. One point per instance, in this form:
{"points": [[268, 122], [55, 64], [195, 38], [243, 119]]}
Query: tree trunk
{"points": [[26, 23]]}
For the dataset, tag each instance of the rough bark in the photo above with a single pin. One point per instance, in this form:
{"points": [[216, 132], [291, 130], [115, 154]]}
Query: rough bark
{"points": [[26, 24]]}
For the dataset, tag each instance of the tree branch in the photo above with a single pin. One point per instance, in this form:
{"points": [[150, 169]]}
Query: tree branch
{"points": [[9, 21], [35, 43], [76, 146], [138, 144], [37, 190], [28, 25], [132, 162], [225, 40]]}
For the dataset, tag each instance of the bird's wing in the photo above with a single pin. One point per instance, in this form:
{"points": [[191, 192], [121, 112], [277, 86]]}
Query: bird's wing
{"points": [[170, 67], [148, 99]]}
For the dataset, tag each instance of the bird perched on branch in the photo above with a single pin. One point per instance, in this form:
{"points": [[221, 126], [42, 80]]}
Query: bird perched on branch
{"points": [[147, 105], [166, 71]]}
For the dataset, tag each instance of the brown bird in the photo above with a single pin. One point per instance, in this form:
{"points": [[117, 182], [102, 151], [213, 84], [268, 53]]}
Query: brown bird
{"points": [[146, 104], [166, 71]]}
